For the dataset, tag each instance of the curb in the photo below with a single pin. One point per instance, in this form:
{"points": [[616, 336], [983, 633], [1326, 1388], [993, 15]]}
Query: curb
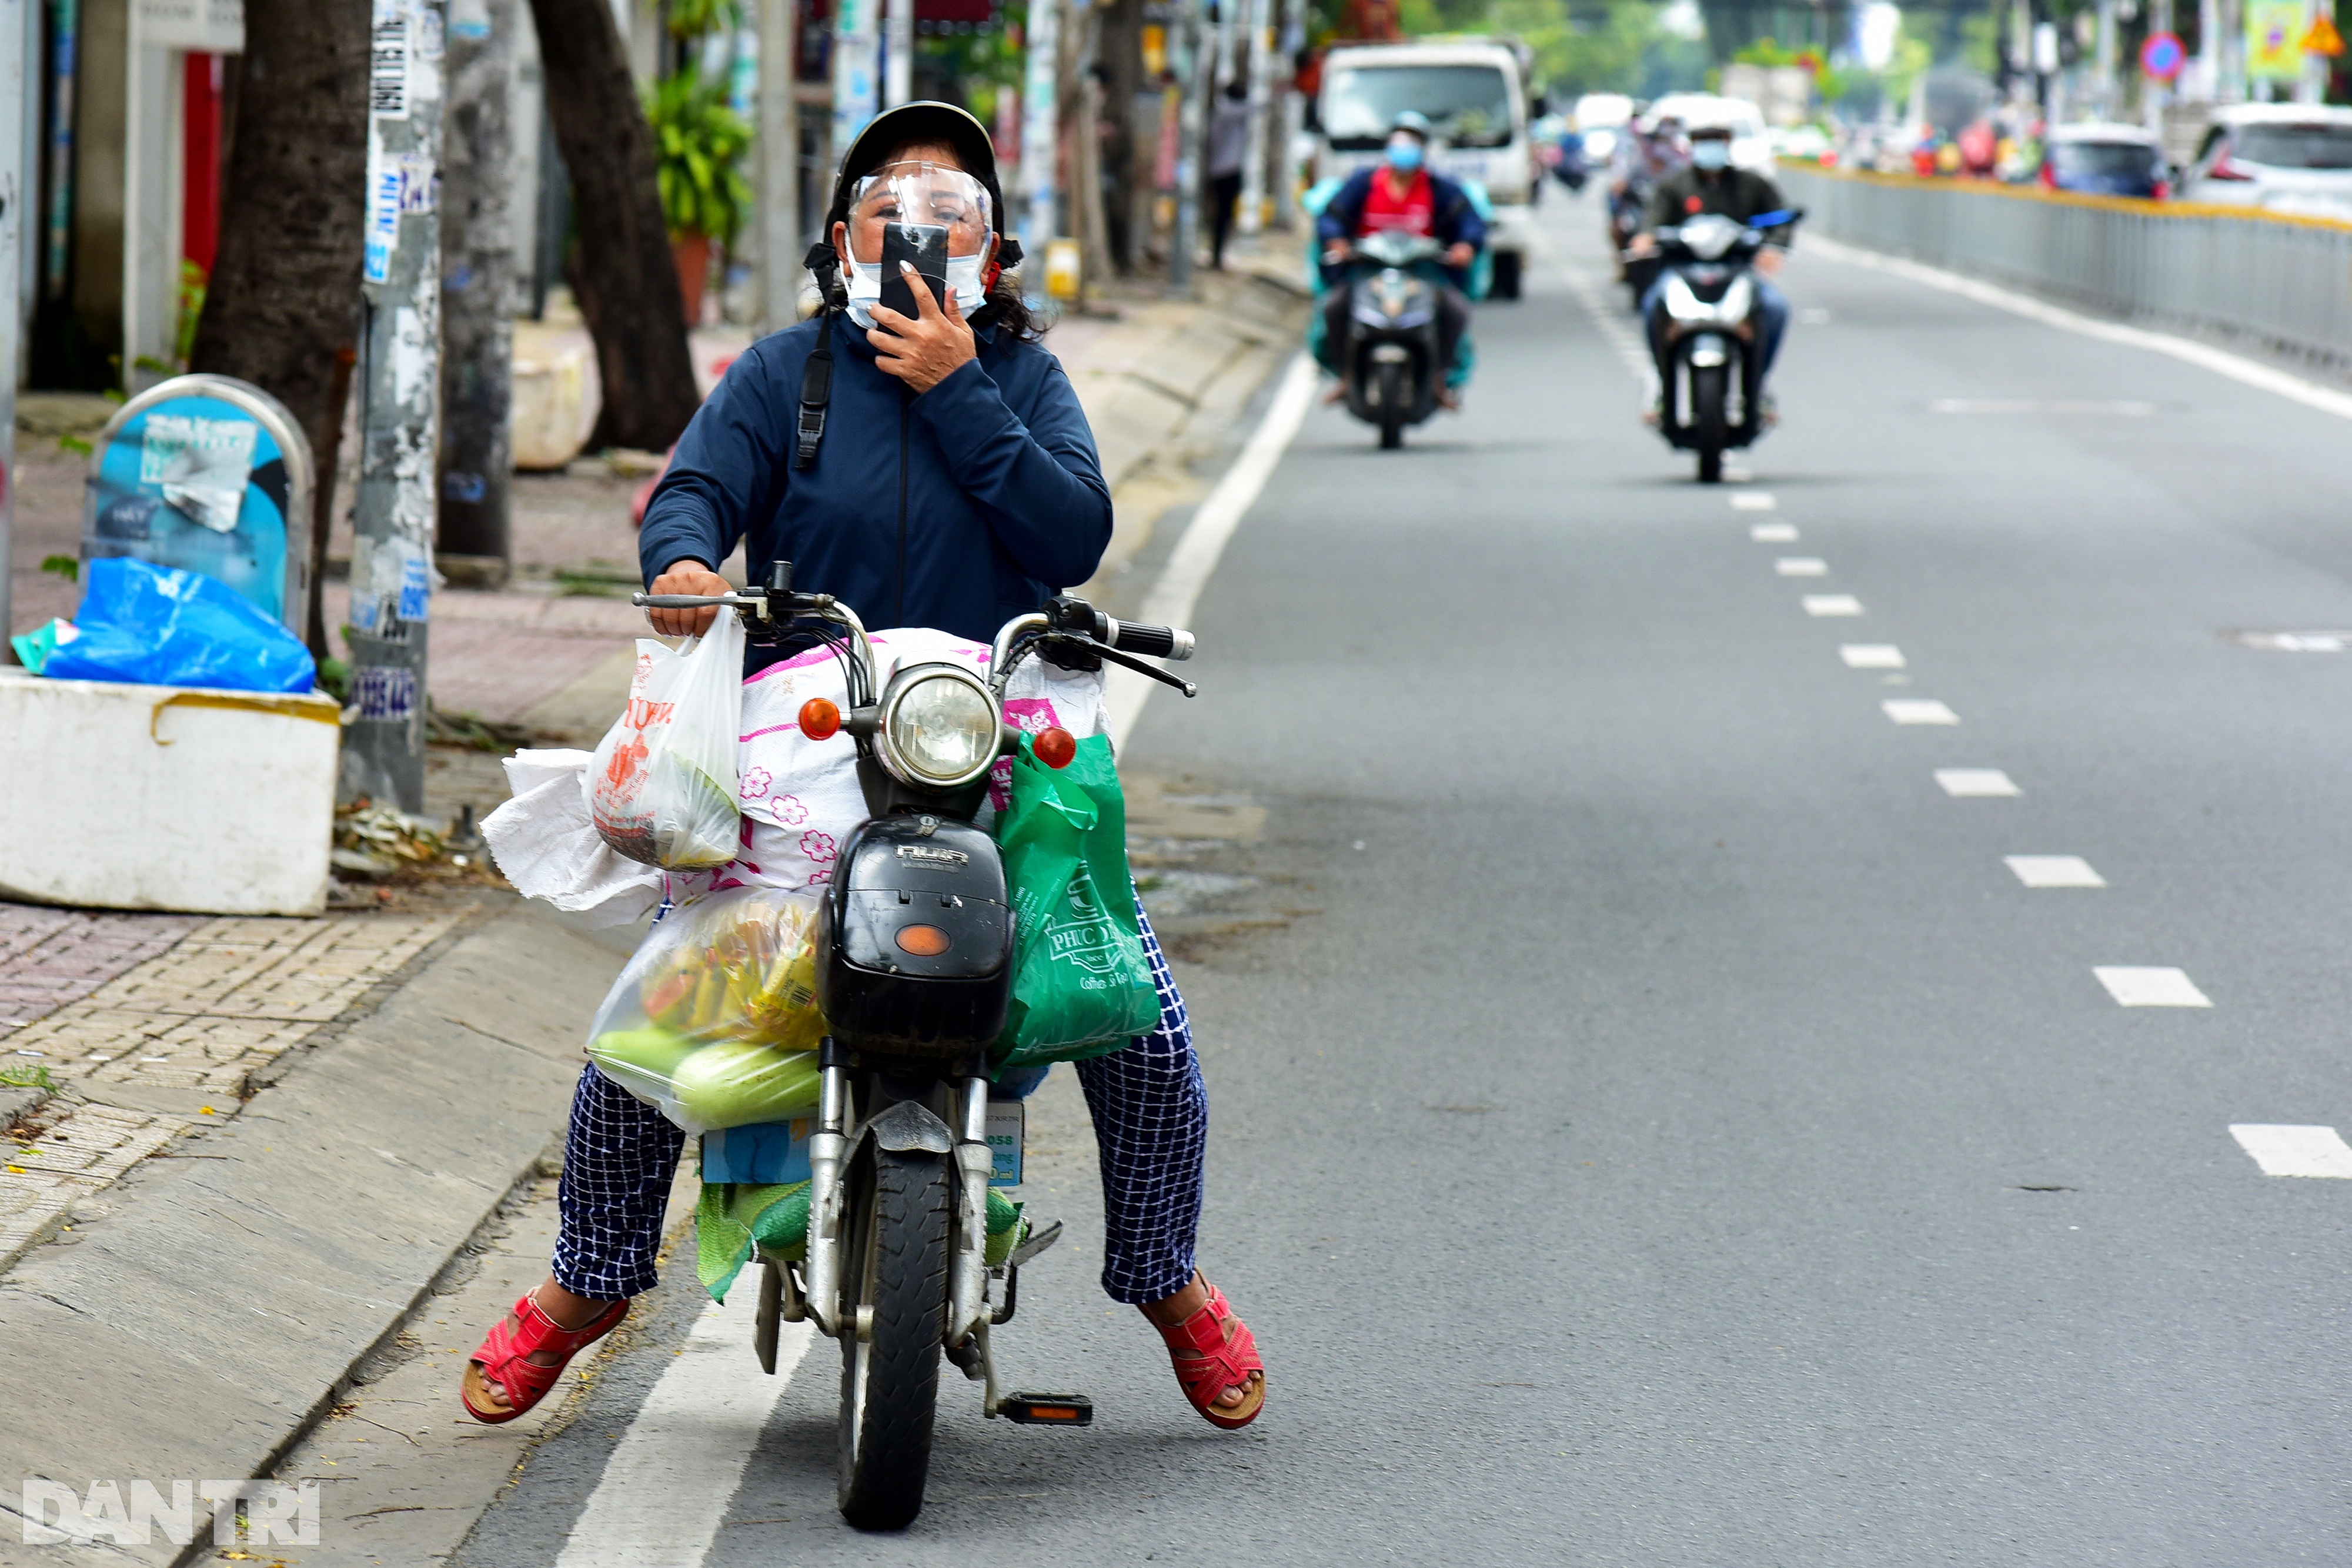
{"points": [[226, 1303]]}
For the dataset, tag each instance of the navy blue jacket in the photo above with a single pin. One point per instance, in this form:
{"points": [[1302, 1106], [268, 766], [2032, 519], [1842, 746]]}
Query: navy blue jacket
{"points": [[957, 509], [1454, 217]]}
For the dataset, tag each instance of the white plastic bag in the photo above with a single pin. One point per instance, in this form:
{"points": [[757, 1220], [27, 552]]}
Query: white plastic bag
{"points": [[546, 843], [664, 782]]}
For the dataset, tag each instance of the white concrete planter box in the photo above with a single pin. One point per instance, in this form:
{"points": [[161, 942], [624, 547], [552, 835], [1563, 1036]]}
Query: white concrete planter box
{"points": [[126, 797]]}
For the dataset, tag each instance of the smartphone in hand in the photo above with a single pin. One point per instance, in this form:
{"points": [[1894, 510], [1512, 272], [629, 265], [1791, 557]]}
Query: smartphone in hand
{"points": [[924, 245]]}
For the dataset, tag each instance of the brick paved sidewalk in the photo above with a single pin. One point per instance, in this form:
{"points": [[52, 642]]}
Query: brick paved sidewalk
{"points": [[122, 1032]]}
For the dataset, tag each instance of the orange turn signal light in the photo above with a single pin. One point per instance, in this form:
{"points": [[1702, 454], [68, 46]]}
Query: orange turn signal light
{"points": [[1054, 748], [923, 941], [820, 719]]}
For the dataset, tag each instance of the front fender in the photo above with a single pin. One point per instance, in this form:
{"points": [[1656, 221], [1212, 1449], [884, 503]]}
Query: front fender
{"points": [[904, 1128]]}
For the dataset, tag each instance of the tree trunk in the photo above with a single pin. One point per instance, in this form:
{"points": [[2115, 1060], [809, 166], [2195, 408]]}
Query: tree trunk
{"points": [[624, 273], [282, 307]]}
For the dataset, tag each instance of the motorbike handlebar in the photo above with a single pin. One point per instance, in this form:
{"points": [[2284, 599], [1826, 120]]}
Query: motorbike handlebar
{"points": [[1152, 641]]}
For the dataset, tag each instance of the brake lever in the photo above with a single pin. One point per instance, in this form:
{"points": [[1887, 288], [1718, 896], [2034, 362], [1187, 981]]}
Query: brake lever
{"points": [[1130, 661]]}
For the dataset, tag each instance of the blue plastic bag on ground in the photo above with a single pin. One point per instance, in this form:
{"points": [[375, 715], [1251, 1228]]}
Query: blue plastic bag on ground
{"points": [[155, 626]]}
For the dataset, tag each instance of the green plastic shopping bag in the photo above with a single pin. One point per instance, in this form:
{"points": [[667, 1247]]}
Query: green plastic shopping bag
{"points": [[1081, 983]]}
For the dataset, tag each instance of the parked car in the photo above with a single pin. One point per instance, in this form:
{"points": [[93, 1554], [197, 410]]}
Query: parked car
{"points": [[2287, 157], [2101, 160]]}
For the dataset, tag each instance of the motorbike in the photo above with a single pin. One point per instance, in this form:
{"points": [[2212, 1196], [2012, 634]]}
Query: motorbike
{"points": [[1388, 363], [914, 975], [1709, 402]]}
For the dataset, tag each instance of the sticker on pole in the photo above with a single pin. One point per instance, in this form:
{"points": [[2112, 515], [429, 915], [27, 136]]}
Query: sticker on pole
{"points": [[2163, 56]]}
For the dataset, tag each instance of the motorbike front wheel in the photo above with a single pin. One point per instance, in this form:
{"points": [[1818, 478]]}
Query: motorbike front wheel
{"points": [[1710, 424], [1392, 408], [897, 1267]]}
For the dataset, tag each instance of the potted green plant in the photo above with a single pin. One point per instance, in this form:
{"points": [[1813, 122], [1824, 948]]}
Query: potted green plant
{"points": [[700, 145]]}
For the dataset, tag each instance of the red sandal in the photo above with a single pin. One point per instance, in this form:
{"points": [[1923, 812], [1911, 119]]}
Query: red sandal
{"points": [[503, 1358], [1212, 1350]]}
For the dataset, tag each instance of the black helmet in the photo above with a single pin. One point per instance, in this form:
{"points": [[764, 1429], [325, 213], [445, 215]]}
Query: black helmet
{"points": [[927, 121]]}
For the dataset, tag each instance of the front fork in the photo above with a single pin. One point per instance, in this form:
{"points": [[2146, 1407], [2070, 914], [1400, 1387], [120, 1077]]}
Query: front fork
{"points": [[828, 1146]]}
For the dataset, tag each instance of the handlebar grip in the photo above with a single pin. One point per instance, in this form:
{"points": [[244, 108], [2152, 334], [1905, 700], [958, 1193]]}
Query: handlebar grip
{"points": [[1151, 641]]}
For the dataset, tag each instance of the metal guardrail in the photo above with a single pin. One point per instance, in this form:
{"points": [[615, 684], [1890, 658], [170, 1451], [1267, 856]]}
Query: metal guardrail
{"points": [[2283, 281]]}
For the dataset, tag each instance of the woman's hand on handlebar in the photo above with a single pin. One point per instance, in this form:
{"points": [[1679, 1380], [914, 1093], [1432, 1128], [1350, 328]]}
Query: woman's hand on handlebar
{"points": [[687, 576], [926, 350], [1336, 251]]}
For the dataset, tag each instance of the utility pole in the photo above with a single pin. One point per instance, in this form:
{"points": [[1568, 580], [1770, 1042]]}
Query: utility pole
{"points": [[1261, 60], [898, 61], [1194, 78], [856, 93], [12, 197], [392, 548], [1290, 121], [782, 242], [1041, 124], [476, 462]]}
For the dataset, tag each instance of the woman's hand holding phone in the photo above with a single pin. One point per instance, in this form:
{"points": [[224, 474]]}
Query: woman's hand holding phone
{"points": [[924, 350]]}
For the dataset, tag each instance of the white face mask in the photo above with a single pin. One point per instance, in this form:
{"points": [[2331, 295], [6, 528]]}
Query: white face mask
{"points": [[1711, 153], [865, 285]]}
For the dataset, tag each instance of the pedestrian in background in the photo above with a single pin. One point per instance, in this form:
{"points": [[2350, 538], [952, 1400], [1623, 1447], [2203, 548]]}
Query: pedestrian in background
{"points": [[1228, 146]]}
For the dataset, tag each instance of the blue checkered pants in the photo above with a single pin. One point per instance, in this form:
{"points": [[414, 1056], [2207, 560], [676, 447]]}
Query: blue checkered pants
{"points": [[1151, 1112]]}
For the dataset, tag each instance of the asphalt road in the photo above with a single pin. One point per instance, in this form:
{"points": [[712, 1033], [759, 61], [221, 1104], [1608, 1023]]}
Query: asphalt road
{"points": [[1653, 1124]]}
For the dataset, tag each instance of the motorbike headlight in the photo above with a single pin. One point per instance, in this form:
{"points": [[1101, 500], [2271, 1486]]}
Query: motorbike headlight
{"points": [[939, 727]]}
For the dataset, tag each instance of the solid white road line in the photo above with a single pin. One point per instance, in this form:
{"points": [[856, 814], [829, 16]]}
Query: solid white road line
{"points": [[2284, 1151], [1974, 781], [2138, 987], [2251, 373], [1773, 533], [1871, 655], [1752, 501], [1801, 566], [2054, 871], [1917, 710], [1173, 597], [2041, 405], [1833, 604], [666, 1489]]}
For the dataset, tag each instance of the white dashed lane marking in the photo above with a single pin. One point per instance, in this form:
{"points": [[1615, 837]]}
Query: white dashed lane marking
{"points": [[2138, 987], [1974, 781], [1773, 533], [1871, 655], [1917, 710], [2284, 1151], [1753, 501], [1833, 604], [1801, 566], [2054, 871]]}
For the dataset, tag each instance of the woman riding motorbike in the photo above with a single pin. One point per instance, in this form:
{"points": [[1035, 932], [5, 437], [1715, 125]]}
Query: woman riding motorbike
{"points": [[1401, 193], [973, 429]]}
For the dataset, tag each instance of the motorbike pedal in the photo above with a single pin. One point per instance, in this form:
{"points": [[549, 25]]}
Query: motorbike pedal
{"points": [[1048, 1409], [1040, 1238]]}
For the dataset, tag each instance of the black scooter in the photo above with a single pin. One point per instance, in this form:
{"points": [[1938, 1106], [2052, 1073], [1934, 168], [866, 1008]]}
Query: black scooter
{"points": [[1710, 402], [1389, 362], [914, 967]]}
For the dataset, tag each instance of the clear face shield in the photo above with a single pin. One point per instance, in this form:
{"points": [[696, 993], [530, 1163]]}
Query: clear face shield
{"points": [[929, 195]]}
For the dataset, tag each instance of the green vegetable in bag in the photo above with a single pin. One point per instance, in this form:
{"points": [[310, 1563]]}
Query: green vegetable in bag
{"points": [[737, 1083], [1081, 985]]}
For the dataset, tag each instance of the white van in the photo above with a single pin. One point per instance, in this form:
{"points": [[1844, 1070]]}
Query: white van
{"points": [[1474, 94]]}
